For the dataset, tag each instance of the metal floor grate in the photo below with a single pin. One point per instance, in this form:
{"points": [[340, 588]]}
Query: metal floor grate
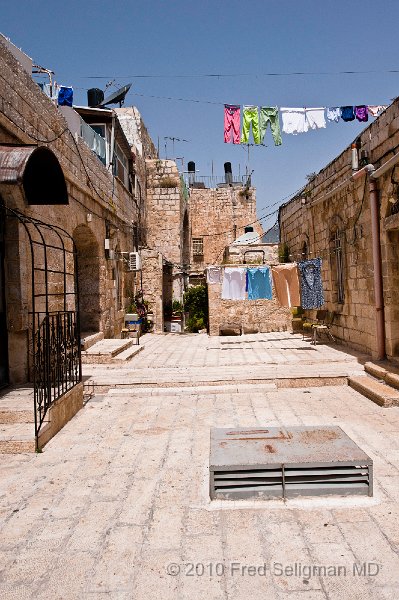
{"points": [[277, 462]]}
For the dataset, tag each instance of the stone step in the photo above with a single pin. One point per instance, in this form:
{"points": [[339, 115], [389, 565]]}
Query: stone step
{"points": [[119, 381], [88, 340], [16, 438], [186, 390], [380, 393], [127, 354], [390, 375], [16, 405], [105, 351]]}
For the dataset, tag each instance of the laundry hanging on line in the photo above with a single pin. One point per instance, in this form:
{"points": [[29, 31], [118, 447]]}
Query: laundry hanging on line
{"points": [[259, 283], [213, 275], [233, 284], [294, 120], [286, 284], [312, 295]]}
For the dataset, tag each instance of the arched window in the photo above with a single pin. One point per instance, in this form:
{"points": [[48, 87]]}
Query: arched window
{"points": [[305, 251]]}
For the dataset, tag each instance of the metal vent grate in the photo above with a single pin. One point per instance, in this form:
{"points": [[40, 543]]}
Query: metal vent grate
{"points": [[301, 461]]}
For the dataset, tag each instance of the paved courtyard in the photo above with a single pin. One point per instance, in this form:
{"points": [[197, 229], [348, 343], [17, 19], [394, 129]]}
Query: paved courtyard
{"points": [[117, 504]]}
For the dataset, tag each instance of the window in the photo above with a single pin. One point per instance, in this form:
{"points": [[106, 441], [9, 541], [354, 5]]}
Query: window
{"points": [[121, 165], [198, 246], [338, 264], [304, 253]]}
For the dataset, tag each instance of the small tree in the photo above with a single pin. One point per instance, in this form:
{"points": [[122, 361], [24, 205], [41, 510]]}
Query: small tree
{"points": [[196, 304]]}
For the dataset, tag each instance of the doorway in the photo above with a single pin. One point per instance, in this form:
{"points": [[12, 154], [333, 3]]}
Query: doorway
{"points": [[88, 279]]}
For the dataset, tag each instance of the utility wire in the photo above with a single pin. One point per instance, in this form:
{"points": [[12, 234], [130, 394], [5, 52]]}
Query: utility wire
{"points": [[233, 75]]}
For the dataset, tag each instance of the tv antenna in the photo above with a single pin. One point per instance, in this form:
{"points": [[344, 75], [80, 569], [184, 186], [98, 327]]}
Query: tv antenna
{"points": [[173, 139]]}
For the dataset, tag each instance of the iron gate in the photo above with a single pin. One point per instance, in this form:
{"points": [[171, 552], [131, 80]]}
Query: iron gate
{"points": [[54, 331]]}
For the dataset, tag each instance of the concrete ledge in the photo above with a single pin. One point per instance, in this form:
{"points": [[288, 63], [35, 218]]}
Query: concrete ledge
{"points": [[61, 412], [380, 393]]}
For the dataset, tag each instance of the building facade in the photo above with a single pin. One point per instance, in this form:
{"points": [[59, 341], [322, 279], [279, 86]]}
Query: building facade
{"points": [[348, 216]]}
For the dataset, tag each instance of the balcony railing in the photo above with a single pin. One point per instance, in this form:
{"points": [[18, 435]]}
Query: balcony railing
{"points": [[214, 181]]}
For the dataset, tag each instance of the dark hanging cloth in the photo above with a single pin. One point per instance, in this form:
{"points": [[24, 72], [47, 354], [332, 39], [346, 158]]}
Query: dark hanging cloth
{"points": [[65, 96], [347, 113], [311, 283]]}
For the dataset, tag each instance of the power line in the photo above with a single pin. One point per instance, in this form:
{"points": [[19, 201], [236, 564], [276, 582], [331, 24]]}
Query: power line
{"points": [[233, 75]]}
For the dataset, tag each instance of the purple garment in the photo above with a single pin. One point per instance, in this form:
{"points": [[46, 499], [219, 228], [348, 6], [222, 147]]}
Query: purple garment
{"points": [[362, 113]]}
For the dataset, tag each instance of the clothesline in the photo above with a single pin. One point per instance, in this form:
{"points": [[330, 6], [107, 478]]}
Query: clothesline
{"points": [[294, 120], [295, 284]]}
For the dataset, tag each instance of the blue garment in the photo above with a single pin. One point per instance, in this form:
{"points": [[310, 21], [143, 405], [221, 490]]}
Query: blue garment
{"points": [[65, 96], [311, 283], [259, 283], [347, 113]]}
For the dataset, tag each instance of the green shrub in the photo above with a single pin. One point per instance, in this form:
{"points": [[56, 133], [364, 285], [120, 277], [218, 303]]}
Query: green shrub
{"points": [[196, 304]]}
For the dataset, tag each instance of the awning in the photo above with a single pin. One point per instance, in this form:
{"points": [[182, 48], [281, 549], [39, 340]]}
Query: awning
{"points": [[37, 170]]}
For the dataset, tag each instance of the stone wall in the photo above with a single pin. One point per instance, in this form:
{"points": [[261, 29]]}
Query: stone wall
{"points": [[252, 254], [97, 200], [311, 220], [219, 217], [152, 282], [250, 315]]}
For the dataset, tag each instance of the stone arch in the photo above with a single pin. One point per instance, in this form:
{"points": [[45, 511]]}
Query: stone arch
{"points": [[88, 270]]}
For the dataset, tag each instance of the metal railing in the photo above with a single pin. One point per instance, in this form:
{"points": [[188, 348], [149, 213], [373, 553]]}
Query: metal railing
{"points": [[56, 360], [213, 181]]}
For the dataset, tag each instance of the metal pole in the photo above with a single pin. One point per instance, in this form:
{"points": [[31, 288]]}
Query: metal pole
{"points": [[378, 285]]}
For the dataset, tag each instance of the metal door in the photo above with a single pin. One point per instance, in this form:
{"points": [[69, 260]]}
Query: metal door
{"points": [[3, 320]]}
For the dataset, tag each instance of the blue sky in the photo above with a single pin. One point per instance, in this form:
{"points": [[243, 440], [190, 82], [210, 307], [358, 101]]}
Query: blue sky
{"points": [[118, 39]]}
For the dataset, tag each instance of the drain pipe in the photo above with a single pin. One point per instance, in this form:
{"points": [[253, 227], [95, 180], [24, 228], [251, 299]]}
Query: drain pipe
{"points": [[377, 261]]}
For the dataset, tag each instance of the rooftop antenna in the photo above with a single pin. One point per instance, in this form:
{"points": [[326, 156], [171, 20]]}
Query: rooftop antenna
{"points": [[174, 139]]}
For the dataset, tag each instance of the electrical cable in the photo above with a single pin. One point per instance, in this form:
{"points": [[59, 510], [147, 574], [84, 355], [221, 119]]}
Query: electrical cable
{"points": [[232, 75]]}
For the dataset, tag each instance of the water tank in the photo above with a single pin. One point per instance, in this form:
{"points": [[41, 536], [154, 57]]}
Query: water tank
{"points": [[248, 229], [228, 175], [94, 97], [191, 172]]}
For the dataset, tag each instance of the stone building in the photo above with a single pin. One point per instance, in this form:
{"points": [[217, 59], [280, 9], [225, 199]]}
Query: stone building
{"points": [[218, 216], [68, 219], [349, 216]]}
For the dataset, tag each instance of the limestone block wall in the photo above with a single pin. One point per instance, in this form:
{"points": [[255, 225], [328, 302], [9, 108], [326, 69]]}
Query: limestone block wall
{"points": [[310, 219], [219, 217], [252, 253], [152, 281], [165, 209], [27, 116], [251, 315]]}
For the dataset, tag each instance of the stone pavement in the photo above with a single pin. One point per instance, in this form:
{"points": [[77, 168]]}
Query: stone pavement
{"points": [[117, 505]]}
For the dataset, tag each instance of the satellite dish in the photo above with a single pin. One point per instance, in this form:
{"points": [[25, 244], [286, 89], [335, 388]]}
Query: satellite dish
{"points": [[118, 96]]}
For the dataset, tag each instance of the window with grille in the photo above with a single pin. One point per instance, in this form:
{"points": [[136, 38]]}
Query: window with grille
{"points": [[338, 264], [198, 246]]}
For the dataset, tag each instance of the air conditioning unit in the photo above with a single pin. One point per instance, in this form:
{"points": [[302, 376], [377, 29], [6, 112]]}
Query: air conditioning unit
{"points": [[134, 261]]}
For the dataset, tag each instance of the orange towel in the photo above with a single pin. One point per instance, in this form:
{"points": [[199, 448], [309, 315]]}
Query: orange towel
{"points": [[286, 284]]}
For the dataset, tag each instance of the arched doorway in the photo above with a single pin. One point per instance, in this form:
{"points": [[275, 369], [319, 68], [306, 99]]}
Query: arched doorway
{"points": [[88, 279]]}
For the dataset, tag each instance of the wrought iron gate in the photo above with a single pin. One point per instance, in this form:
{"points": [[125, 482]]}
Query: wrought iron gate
{"points": [[54, 331]]}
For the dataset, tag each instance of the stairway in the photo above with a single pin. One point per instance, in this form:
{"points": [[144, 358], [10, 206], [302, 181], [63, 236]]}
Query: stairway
{"points": [[111, 351], [380, 384], [17, 428]]}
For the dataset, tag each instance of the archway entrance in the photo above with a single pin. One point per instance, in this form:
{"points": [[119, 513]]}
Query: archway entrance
{"points": [[88, 279]]}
